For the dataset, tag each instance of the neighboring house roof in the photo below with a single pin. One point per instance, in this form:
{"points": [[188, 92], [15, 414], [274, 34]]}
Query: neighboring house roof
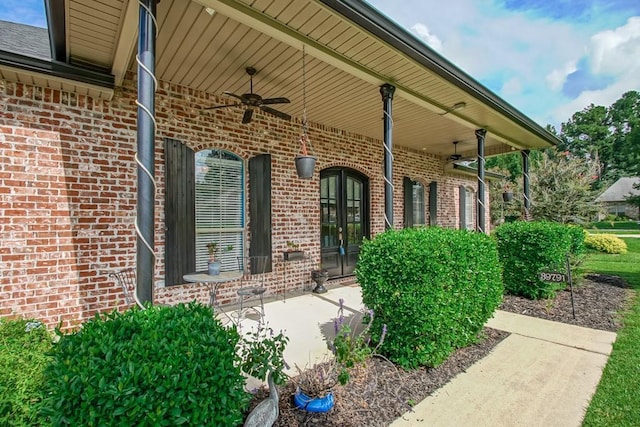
{"points": [[25, 40], [620, 190]]}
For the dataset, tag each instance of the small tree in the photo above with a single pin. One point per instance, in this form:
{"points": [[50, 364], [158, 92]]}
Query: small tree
{"points": [[561, 189]]}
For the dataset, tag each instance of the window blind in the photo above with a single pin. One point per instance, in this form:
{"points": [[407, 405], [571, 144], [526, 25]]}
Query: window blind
{"points": [[219, 177]]}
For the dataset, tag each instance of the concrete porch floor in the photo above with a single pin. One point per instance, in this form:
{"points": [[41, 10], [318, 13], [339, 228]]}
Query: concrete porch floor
{"points": [[544, 373]]}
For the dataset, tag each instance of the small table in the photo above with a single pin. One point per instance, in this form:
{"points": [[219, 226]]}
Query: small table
{"points": [[212, 282]]}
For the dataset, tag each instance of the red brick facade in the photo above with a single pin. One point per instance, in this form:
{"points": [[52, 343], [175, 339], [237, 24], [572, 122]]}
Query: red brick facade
{"points": [[68, 192]]}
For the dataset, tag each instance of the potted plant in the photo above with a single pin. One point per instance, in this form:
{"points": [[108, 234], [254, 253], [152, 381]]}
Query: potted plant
{"points": [[319, 276], [349, 349], [305, 163], [507, 194], [213, 266], [292, 253]]}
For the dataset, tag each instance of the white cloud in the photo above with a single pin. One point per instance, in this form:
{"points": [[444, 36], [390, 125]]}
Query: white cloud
{"points": [[423, 32], [558, 77], [615, 51], [513, 86]]}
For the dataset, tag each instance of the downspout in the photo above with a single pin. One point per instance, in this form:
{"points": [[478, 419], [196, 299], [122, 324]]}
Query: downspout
{"points": [[145, 151], [480, 224], [525, 183], [387, 90]]}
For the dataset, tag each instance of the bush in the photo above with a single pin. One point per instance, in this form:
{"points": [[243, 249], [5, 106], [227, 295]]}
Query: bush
{"points": [[526, 248], [23, 348], [433, 288], [607, 243], [159, 366]]}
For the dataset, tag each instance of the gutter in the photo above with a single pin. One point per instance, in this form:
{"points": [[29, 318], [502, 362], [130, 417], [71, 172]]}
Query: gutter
{"points": [[56, 69], [374, 22]]}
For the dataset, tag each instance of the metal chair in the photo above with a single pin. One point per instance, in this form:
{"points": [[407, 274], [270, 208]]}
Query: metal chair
{"points": [[251, 284], [127, 280]]}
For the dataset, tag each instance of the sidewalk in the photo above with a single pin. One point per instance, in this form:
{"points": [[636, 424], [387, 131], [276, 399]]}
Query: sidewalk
{"points": [[544, 373]]}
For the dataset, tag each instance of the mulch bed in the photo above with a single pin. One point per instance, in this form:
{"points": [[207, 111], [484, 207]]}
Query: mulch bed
{"points": [[381, 392], [597, 300]]}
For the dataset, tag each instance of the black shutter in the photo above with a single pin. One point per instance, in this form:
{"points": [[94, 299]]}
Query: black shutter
{"points": [[433, 203], [407, 185], [260, 207], [463, 213], [179, 212]]}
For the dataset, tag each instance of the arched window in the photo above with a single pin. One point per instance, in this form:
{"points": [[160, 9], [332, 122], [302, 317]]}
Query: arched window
{"points": [[219, 207]]}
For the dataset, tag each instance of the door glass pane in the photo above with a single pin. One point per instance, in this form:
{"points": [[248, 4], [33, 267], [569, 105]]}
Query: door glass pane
{"points": [[329, 211]]}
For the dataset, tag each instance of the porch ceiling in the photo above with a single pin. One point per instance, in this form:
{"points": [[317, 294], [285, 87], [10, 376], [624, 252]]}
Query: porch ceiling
{"points": [[346, 64]]}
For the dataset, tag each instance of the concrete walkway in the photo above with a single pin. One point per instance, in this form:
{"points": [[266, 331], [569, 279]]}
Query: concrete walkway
{"points": [[543, 374]]}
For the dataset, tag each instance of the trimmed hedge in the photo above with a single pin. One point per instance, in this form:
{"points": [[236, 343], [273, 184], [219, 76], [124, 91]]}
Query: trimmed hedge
{"points": [[607, 243], [434, 288], [23, 348], [159, 366], [526, 248]]}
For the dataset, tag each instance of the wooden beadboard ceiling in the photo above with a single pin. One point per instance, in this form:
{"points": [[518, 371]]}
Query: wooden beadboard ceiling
{"points": [[344, 67]]}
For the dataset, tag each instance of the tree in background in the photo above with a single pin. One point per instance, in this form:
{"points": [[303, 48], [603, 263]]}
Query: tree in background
{"points": [[561, 188], [607, 137], [624, 119]]}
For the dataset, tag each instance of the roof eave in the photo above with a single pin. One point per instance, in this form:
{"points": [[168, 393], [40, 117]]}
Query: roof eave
{"points": [[56, 69], [371, 20]]}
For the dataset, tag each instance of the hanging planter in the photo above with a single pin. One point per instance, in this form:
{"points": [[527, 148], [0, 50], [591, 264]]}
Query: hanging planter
{"points": [[507, 196], [305, 163]]}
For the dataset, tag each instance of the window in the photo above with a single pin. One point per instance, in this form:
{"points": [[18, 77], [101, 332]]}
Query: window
{"points": [[469, 202], [219, 207], [418, 203], [414, 203]]}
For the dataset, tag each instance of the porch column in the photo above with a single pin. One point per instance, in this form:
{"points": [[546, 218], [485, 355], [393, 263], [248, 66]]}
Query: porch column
{"points": [[387, 90], [145, 150], [525, 182], [480, 224]]}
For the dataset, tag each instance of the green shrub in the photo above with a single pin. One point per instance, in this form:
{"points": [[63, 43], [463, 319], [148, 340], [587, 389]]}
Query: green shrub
{"points": [[527, 248], [433, 288], [159, 366], [607, 243], [23, 348]]}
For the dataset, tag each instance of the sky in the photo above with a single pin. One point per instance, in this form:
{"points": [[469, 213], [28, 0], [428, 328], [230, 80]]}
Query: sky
{"points": [[547, 58]]}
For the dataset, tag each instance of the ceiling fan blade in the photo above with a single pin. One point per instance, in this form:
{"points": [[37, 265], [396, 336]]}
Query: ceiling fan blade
{"points": [[234, 95], [275, 101], [276, 113], [246, 117], [222, 106]]}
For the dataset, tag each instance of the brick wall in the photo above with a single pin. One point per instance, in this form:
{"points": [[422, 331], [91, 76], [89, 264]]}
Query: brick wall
{"points": [[67, 192]]}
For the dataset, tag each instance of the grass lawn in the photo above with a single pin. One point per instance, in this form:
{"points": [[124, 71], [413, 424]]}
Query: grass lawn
{"points": [[615, 402], [595, 231], [618, 225]]}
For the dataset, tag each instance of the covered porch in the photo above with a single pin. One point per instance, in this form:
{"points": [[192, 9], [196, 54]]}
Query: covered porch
{"points": [[382, 114]]}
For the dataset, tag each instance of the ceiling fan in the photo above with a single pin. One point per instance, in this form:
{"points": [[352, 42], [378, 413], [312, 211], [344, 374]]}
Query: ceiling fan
{"points": [[252, 100], [455, 156]]}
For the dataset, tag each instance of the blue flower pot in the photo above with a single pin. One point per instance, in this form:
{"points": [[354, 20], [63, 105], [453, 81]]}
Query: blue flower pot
{"points": [[313, 404]]}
